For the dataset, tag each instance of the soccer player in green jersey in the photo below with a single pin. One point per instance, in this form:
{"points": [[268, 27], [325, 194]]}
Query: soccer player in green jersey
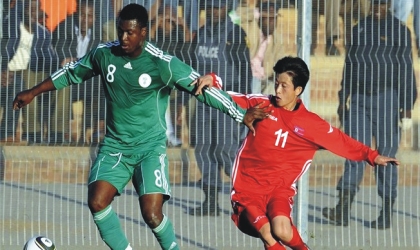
{"points": [[138, 78]]}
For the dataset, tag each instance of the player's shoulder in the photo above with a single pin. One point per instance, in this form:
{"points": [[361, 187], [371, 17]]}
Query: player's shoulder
{"points": [[305, 115], [108, 45], [107, 48], [156, 53], [259, 97], [250, 99]]}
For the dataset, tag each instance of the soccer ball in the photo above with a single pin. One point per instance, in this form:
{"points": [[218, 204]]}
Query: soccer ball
{"points": [[39, 243]]}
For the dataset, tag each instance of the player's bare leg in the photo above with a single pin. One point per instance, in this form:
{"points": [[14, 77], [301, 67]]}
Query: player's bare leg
{"points": [[100, 196], [269, 242], [286, 232], [151, 210]]}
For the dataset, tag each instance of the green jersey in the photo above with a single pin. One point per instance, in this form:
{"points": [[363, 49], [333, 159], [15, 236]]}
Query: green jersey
{"points": [[137, 92]]}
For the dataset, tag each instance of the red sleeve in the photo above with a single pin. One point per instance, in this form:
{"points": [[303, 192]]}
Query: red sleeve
{"points": [[343, 145], [333, 139], [249, 100]]}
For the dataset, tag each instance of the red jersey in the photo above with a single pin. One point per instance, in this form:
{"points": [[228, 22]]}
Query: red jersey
{"points": [[284, 145]]}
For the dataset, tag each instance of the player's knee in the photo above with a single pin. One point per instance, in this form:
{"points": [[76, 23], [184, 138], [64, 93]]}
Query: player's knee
{"points": [[151, 209], [152, 217], [100, 195], [266, 236], [283, 232], [97, 204]]}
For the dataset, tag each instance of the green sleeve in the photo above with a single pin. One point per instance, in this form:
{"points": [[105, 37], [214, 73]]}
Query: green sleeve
{"points": [[222, 101], [75, 72], [182, 75]]}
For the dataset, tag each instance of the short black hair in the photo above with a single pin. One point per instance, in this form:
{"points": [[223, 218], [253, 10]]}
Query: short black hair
{"points": [[135, 11], [296, 68]]}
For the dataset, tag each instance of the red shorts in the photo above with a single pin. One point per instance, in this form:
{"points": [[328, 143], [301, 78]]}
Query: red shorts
{"points": [[252, 211]]}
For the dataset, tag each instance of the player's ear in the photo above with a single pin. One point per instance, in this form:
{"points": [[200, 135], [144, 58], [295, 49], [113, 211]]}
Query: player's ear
{"points": [[143, 31], [298, 90]]}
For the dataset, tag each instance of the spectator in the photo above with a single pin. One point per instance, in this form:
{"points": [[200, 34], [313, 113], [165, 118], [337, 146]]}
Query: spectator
{"points": [[379, 83], [9, 118], [331, 11], [220, 47], [76, 35], [248, 14], [33, 58], [108, 13], [188, 17], [269, 48], [10, 83], [402, 9], [189, 12], [169, 27], [353, 11]]}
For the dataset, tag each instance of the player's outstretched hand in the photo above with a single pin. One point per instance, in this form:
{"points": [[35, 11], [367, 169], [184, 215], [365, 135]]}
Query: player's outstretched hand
{"points": [[384, 160], [202, 83], [207, 82], [258, 112], [22, 99]]}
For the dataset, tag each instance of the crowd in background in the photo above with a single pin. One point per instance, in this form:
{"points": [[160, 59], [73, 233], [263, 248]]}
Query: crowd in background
{"points": [[39, 36]]}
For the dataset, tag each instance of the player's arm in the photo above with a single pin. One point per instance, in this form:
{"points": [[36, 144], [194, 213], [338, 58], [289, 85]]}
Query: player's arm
{"points": [[76, 72], [72, 73], [176, 73], [328, 137], [212, 80], [357, 151], [182, 75], [25, 97], [255, 111]]}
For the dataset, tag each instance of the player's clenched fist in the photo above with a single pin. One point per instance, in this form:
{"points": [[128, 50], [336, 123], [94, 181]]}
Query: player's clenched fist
{"points": [[22, 99], [25, 97]]}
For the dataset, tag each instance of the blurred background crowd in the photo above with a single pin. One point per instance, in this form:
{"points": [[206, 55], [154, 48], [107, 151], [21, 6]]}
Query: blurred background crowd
{"points": [[39, 36]]}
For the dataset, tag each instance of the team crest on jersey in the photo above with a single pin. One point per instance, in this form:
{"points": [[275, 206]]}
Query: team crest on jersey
{"points": [[299, 130], [145, 80]]}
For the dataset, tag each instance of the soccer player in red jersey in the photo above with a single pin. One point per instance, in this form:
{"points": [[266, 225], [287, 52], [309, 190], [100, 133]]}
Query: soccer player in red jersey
{"points": [[278, 151]]}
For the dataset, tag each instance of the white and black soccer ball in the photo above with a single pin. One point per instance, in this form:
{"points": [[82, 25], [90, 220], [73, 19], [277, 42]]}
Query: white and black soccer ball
{"points": [[39, 243]]}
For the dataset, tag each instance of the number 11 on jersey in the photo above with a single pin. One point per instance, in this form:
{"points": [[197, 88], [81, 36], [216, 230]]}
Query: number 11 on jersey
{"points": [[281, 136]]}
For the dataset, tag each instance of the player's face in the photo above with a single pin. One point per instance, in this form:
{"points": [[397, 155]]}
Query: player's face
{"points": [[131, 37], [286, 94]]}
